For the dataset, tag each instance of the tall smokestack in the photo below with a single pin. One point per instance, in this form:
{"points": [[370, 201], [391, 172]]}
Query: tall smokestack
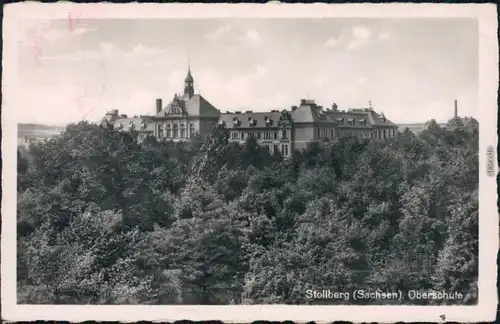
{"points": [[456, 108], [158, 105]]}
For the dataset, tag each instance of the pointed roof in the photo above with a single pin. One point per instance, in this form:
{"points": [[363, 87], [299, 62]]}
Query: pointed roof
{"points": [[194, 106], [189, 77]]}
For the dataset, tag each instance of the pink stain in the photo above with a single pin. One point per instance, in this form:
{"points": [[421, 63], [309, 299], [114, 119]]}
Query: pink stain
{"points": [[89, 11], [87, 102], [35, 40]]}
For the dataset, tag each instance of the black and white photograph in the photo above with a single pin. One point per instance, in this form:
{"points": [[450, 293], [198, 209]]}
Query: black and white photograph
{"points": [[274, 161]]}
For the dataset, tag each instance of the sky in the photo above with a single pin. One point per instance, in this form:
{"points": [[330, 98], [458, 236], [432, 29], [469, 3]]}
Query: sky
{"points": [[412, 70]]}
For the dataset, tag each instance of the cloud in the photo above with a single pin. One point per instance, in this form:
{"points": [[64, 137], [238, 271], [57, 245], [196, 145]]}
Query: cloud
{"points": [[59, 103], [108, 51], [332, 42], [361, 32], [260, 71], [362, 37], [251, 38], [384, 35], [242, 87], [224, 29], [45, 33]]}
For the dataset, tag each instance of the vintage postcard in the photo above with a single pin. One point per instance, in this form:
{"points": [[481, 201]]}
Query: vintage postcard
{"points": [[249, 162]]}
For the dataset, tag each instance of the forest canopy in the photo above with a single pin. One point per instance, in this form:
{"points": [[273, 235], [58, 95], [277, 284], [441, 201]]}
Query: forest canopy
{"points": [[103, 219]]}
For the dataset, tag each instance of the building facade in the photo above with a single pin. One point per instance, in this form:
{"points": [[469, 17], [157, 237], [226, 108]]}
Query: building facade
{"points": [[189, 114], [143, 125], [185, 116], [289, 130]]}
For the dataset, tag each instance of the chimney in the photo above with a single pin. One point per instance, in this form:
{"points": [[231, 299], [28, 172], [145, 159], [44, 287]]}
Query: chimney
{"points": [[158, 105], [302, 102], [294, 107], [456, 108], [334, 107]]}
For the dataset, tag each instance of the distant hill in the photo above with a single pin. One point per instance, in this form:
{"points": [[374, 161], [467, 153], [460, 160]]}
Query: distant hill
{"points": [[38, 129], [31, 133]]}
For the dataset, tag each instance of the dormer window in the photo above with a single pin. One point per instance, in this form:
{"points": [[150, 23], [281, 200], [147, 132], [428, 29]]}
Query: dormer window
{"points": [[131, 125], [268, 121], [144, 124], [362, 121], [236, 121], [252, 121], [222, 123], [340, 120], [120, 126], [176, 110], [350, 121]]}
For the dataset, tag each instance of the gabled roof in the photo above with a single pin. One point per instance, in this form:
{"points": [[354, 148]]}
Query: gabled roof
{"points": [[380, 120], [137, 122], [244, 119], [310, 114], [195, 106], [368, 115]]}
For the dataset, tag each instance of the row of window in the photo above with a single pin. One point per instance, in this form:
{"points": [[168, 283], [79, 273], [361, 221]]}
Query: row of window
{"points": [[331, 133], [274, 149], [173, 131], [352, 121], [259, 135]]}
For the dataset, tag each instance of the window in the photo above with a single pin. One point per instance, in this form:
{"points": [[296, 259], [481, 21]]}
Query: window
{"points": [[283, 133], [258, 135], [284, 149], [317, 132], [275, 148], [169, 130], [176, 131], [332, 133], [160, 131], [183, 131], [275, 135], [234, 135], [192, 130], [242, 135]]}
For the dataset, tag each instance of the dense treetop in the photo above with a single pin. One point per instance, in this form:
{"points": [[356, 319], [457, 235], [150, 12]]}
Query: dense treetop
{"points": [[105, 219]]}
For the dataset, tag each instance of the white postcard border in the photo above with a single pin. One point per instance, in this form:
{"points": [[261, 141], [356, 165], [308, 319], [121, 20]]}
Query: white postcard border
{"points": [[488, 223]]}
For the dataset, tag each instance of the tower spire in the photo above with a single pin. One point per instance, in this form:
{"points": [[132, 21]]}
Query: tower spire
{"points": [[188, 82]]}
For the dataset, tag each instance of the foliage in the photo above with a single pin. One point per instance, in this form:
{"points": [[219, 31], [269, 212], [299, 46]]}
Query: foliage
{"points": [[104, 219]]}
